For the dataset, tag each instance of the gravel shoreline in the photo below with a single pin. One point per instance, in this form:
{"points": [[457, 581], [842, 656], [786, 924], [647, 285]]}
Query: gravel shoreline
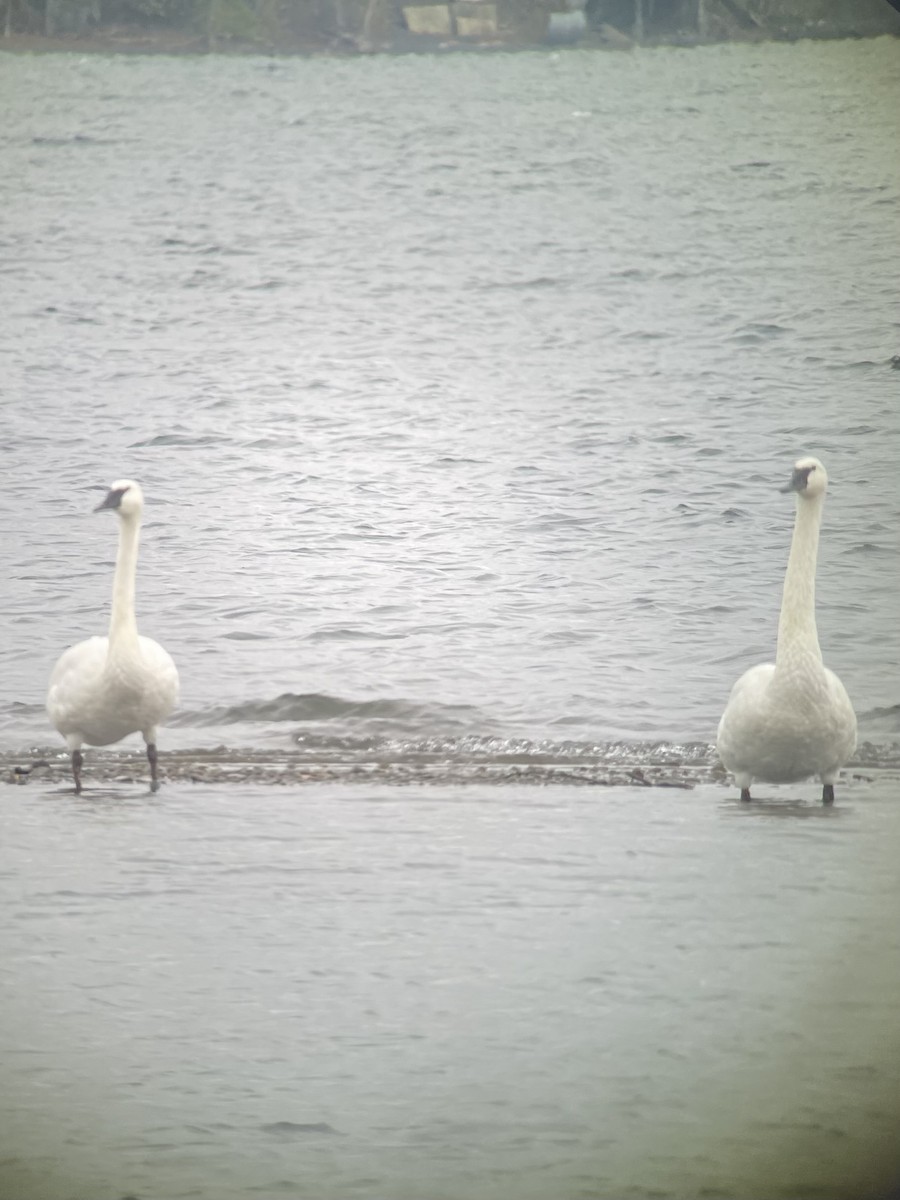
{"points": [[289, 768]]}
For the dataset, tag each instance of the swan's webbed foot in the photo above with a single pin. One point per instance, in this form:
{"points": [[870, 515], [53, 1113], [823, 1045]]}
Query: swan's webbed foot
{"points": [[745, 795], [77, 763], [151, 758], [828, 793]]}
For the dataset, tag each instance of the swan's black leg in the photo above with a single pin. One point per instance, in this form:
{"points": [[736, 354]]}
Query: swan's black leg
{"points": [[828, 793], [745, 794], [151, 758], [77, 761]]}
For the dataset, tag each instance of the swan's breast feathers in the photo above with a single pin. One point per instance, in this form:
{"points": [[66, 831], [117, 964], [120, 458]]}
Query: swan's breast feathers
{"points": [[782, 727], [99, 698]]}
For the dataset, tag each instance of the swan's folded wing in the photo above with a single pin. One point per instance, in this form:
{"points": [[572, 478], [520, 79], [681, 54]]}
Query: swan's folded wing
{"points": [[842, 716], [752, 683], [162, 676], [739, 727], [75, 676]]}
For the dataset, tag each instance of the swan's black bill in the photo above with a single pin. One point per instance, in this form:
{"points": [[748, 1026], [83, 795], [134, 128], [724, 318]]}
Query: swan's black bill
{"points": [[799, 480], [113, 499]]}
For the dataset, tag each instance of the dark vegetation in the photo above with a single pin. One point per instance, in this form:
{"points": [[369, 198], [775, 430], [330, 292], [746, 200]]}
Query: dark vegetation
{"points": [[287, 26]]}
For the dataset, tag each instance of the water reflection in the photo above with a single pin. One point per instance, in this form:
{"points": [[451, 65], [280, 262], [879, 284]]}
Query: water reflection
{"points": [[785, 808]]}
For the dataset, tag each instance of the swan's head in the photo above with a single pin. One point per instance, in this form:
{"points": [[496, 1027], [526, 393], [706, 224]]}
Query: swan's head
{"points": [[808, 478], [125, 496]]}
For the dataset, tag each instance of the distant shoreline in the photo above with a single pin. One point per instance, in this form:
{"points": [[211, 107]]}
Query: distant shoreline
{"points": [[138, 40]]}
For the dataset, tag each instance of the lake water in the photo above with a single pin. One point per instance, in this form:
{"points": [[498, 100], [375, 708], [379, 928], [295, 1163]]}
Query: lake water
{"points": [[460, 388]]}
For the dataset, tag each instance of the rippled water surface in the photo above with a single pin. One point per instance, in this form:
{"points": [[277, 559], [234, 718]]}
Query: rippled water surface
{"points": [[465, 381], [470, 993], [461, 389]]}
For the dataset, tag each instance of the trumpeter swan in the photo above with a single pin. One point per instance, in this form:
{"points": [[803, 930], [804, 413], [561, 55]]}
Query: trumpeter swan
{"points": [[105, 688], [790, 719]]}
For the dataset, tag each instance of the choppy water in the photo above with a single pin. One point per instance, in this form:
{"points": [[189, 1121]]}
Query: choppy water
{"points": [[463, 384], [461, 389]]}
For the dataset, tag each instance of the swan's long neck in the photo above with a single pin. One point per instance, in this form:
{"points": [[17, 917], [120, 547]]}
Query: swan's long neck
{"points": [[123, 634], [797, 634]]}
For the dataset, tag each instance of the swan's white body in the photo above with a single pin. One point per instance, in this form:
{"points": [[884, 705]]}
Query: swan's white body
{"points": [[100, 696], [106, 688], [791, 719]]}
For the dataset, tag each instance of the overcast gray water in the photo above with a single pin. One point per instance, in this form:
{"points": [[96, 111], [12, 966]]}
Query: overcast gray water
{"points": [[460, 389]]}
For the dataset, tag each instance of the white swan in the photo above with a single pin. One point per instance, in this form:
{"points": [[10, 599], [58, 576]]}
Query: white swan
{"points": [[103, 689], [790, 719]]}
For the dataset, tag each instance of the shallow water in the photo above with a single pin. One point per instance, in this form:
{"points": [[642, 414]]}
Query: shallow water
{"points": [[341, 992], [461, 390]]}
